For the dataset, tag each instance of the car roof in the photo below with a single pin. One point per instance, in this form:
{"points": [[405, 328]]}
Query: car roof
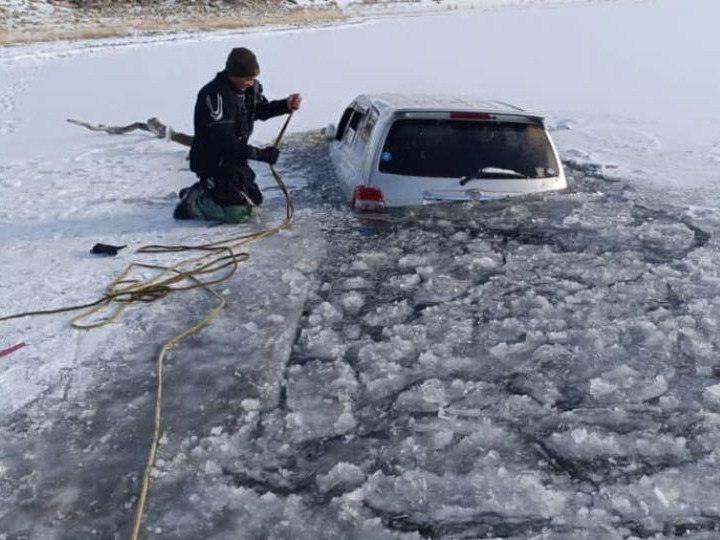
{"points": [[394, 102]]}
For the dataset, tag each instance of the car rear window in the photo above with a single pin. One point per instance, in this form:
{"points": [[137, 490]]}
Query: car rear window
{"points": [[459, 148]]}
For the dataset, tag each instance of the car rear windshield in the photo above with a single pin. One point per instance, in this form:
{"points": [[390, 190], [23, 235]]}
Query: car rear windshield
{"points": [[462, 148]]}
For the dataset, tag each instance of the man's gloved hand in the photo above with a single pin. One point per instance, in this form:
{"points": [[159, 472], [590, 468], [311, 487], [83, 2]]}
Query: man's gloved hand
{"points": [[269, 154]]}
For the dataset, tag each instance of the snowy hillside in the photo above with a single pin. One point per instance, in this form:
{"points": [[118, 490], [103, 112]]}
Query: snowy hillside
{"points": [[545, 370], [25, 21]]}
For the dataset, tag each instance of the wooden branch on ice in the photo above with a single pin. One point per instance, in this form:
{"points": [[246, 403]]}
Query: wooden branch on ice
{"points": [[153, 125]]}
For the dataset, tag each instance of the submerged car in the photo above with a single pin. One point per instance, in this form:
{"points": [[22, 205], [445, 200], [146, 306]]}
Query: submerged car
{"points": [[396, 150]]}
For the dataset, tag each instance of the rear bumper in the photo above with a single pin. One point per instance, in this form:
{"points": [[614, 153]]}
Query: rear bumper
{"points": [[411, 191], [430, 197]]}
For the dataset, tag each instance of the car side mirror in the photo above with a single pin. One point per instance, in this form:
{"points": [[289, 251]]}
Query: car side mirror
{"points": [[330, 132]]}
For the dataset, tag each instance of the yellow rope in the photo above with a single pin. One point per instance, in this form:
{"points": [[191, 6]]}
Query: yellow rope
{"points": [[124, 291], [157, 431], [238, 241]]}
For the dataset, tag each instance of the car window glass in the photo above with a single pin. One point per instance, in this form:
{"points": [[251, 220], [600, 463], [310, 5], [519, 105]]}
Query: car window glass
{"points": [[457, 148], [354, 123], [342, 125], [370, 122]]}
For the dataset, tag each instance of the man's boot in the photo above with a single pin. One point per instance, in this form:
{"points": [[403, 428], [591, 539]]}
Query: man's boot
{"points": [[186, 207]]}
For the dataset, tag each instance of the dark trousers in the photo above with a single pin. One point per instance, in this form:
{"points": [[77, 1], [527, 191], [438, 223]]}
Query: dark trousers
{"points": [[233, 186]]}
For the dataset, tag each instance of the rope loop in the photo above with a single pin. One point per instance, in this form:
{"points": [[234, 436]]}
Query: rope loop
{"points": [[218, 262]]}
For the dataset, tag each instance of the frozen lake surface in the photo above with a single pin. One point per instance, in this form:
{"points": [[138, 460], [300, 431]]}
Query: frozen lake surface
{"points": [[540, 370], [543, 369]]}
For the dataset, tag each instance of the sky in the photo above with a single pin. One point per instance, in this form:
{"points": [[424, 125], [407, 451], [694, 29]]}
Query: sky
{"points": [[629, 94]]}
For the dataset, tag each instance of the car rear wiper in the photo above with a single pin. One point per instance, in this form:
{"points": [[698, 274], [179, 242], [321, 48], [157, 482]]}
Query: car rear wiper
{"points": [[491, 172]]}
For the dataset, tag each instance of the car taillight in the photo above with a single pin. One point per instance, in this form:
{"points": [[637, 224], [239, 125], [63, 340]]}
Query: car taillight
{"points": [[368, 199]]}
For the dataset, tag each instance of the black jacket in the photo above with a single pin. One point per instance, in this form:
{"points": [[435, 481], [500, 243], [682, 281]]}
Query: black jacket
{"points": [[223, 124]]}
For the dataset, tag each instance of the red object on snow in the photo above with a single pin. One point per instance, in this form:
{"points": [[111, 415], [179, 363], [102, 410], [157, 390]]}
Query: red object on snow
{"points": [[12, 349]]}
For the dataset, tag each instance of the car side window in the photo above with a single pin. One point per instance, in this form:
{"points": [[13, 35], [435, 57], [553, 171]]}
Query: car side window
{"points": [[354, 121], [367, 128], [353, 125], [343, 123]]}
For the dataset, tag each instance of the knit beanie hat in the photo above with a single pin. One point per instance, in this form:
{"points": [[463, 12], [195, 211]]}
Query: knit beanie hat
{"points": [[241, 62]]}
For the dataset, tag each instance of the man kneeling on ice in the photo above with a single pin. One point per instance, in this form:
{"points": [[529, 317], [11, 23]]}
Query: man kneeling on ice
{"points": [[225, 111]]}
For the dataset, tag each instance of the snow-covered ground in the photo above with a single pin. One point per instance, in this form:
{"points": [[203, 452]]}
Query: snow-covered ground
{"points": [[542, 370]]}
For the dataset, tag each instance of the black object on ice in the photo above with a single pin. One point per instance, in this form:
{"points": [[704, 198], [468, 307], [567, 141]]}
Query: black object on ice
{"points": [[105, 249]]}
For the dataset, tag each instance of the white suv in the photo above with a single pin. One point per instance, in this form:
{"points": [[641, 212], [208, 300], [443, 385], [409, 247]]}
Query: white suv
{"points": [[392, 150]]}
